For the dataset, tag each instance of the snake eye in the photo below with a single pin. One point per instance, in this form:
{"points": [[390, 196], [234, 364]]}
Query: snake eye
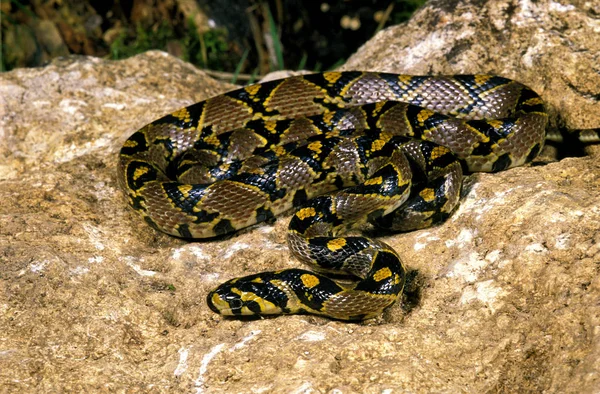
{"points": [[234, 302], [224, 302]]}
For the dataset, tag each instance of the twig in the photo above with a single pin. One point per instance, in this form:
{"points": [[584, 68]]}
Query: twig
{"points": [[385, 17], [224, 75], [263, 58]]}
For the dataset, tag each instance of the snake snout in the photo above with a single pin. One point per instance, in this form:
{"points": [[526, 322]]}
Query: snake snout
{"points": [[224, 302]]}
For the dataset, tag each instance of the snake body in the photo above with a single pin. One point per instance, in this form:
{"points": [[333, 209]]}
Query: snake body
{"points": [[344, 147]]}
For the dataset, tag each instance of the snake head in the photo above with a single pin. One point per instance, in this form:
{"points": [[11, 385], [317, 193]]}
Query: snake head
{"points": [[225, 303], [252, 295]]}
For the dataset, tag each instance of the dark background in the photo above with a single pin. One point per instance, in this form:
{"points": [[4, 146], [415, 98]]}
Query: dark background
{"points": [[238, 39]]}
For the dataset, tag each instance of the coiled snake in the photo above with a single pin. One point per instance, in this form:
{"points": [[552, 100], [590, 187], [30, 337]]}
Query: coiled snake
{"points": [[345, 147]]}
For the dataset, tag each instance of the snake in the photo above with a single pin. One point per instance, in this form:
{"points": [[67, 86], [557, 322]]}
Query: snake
{"points": [[345, 149]]}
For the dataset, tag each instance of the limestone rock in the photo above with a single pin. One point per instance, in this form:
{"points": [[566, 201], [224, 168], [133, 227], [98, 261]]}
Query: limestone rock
{"points": [[503, 296]]}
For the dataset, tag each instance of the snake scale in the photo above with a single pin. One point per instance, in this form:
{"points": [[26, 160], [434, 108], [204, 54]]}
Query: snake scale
{"points": [[345, 148]]}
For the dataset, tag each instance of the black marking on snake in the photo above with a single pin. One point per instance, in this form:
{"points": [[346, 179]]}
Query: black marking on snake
{"points": [[534, 152], [338, 182], [393, 83], [390, 284], [474, 90], [482, 148], [186, 202], [259, 284], [223, 227], [363, 145], [502, 163], [389, 185], [220, 173], [417, 203], [138, 140], [373, 216], [256, 106], [139, 173], [264, 215], [222, 148], [195, 111], [151, 223], [258, 127], [204, 217], [524, 102], [138, 203], [265, 182], [300, 198], [207, 131], [315, 296], [334, 259], [384, 222], [184, 230], [493, 133]]}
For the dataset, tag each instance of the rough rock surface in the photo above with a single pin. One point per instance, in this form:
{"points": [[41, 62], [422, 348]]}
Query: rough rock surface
{"points": [[503, 297]]}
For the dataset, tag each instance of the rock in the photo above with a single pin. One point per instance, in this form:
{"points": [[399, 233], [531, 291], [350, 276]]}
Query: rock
{"points": [[503, 296]]}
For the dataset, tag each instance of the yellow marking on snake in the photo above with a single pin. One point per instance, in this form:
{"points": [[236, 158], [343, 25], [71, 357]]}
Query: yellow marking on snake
{"points": [[377, 145], [481, 79], [534, 101], [309, 280], [332, 77], [438, 152], [315, 146], [427, 194], [212, 140], [182, 114], [139, 172], [495, 123], [279, 150], [386, 136], [374, 181], [484, 138], [218, 301], [405, 79], [306, 213], [336, 244], [382, 274], [327, 117], [423, 115], [246, 296], [271, 125], [185, 191], [252, 89], [397, 279]]}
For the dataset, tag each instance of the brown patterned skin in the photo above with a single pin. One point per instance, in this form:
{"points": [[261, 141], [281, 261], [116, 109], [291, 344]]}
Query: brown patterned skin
{"points": [[346, 148]]}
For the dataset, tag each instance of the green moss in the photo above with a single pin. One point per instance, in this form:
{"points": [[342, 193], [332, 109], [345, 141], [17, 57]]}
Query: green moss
{"points": [[143, 40], [208, 50]]}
